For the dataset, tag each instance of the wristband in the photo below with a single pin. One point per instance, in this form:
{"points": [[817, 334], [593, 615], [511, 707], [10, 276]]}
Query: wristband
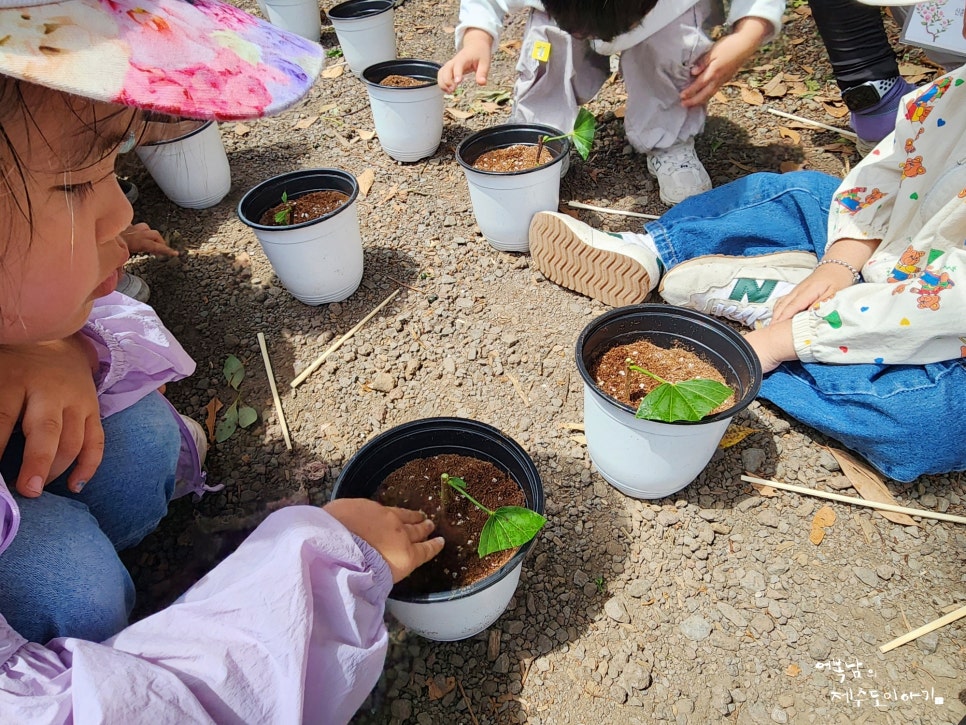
{"points": [[853, 270]]}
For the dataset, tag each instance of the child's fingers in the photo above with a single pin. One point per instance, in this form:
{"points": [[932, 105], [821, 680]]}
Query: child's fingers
{"points": [[426, 550], [408, 516], [90, 456], [419, 532], [482, 71]]}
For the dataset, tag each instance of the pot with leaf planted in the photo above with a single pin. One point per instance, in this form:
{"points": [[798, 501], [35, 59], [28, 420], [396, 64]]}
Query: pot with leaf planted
{"points": [[661, 385], [485, 496]]}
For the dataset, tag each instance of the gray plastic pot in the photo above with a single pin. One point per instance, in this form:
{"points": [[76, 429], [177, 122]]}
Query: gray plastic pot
{"points": [[646, 458]]}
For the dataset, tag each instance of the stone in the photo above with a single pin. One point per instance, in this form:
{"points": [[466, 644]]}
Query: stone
{"points": [[695, 628], [732, 615], [866, 576], [614, 608]]}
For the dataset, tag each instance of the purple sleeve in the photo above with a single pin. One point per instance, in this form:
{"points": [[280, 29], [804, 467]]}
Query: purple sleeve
{"points": [[138, 354], [9, 516], [289, 628]]}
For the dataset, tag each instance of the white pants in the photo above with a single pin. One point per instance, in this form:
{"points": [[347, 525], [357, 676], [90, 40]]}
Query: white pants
{"points": [[655, 72]]}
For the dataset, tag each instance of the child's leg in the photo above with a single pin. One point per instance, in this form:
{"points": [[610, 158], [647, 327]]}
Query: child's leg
{"points": [[61, 575], [552, 91], [880, 412]]}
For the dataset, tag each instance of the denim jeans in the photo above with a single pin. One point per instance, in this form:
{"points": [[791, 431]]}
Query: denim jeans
{"points": [[879, 411], [61, 575]]}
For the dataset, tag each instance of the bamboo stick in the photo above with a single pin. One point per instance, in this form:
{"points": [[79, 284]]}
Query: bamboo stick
{"points": [[802, 119], [924, 629], [605, 210], [271, 384], [858, 501], [338, 343]]}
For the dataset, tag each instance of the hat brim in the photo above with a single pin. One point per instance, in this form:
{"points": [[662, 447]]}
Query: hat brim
{"points": [[191, 58], [889, 3]]}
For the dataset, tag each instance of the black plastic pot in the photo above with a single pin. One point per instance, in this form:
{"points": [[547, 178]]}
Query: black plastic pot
{"points": [[359, 8], [423, 70], [510, 134], [294, 184], [665, 325], [391, 450]]}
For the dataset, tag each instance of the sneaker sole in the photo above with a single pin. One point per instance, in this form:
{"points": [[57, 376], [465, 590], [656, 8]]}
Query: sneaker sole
{"points": [[613, 278], [800, 264]]}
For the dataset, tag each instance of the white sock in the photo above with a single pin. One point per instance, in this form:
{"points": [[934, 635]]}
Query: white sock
{"points": [[645, 240]]}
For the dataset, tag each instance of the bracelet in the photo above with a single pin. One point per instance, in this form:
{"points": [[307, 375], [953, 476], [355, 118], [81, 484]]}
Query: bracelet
{"points": [[853, 270]]}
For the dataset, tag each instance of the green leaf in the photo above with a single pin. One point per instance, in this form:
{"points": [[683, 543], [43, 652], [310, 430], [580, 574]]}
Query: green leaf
{"points": [[228, 424], [333, 53], [456, 482], [246, 416], [583, 135], [689, 400], [509, 527], [234, 371]]}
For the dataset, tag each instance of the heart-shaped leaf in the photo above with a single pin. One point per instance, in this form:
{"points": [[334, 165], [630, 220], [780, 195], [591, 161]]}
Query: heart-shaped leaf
{"points": [[688, 400], [234, 371], [228, 424], [509, 527], [584, 129], [246, 416]]}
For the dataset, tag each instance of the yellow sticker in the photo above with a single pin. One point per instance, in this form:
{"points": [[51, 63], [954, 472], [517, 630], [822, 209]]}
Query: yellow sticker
{"points": [[541, 51], [904, 322]]}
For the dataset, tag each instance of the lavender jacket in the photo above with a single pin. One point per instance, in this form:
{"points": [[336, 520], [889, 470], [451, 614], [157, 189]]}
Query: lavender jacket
{"points": [[287, 629]]}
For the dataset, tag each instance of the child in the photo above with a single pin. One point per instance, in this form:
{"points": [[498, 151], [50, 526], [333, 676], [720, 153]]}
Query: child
{"points": [[301, 601], [865, 345], [671, 68]]}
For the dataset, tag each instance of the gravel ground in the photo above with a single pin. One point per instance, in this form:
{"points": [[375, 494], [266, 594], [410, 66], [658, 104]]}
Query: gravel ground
{"points": [[709, 605]]}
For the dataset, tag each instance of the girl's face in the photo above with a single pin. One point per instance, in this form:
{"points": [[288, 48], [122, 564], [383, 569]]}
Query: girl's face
{"points": [[54, 265]]}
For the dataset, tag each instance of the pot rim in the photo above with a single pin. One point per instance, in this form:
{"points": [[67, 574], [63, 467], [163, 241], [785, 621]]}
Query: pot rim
{"points": [[343, 11], [502, 128], [386, 65], [737, 341], [495, 435], [280, 179], [162, 142]]}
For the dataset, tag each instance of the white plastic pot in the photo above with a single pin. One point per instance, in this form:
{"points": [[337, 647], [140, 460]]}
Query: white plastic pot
{"points": [[650, 459], [302, 17], [191, 170], [317, 261], [504, 203], [458, 613], [408, 120], [365, 31]]}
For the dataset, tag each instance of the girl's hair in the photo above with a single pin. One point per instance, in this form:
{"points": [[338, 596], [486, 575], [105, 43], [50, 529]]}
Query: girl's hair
{"points": [[19, 101], [603, 19]]}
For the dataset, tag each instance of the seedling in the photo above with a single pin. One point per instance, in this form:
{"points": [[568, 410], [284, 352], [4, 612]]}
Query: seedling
{"points": [[337, 52], [582, 135], [284, 215], [506, 528], [688, 400], [238, 414], [601, 585]]}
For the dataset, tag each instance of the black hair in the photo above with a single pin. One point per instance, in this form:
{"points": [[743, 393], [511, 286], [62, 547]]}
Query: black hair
{"points": [[603, 19]]}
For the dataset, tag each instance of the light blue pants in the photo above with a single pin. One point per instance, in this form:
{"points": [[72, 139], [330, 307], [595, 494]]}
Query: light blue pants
{"points": [[886, 413], [61, 575]]}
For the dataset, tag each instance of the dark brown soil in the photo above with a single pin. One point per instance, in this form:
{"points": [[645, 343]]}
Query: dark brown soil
{"points": [[512, 158], [417, 486], [304, 208], [398, 81], [675, 365]]}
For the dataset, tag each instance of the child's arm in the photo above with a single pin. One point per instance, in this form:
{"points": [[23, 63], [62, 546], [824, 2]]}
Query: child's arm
{"points": [[473, 56], [289, 628]]}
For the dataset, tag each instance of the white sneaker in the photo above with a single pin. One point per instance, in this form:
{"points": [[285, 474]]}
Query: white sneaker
{"points": [[679, 172], [594, 263], [743, 289], [198, 436], [133, 286]]}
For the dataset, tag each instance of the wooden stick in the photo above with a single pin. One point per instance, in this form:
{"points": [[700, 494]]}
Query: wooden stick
{"points": [[271, 384], [605, 210], [338, 343], [801, 119], [858, 501], [924, 629], [469, 707]]}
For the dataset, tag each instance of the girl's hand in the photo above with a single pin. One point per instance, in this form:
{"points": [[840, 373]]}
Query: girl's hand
{"points": [[142, 239], [719, 65], [49, 388], [473, 56], [821, 284], [773, 345], [399, 535]]}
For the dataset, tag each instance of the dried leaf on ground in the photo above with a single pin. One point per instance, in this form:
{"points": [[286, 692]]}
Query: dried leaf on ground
{"points": [[735, 434], [304, 123], [333, 71], [365, 181], [211, 414], [794, 136], [793, 670], [620, 112], [836, 110], [743, 167], [786, 166], [869, 485], [440, 686], [719, 97], [459, 114], [365, 135], [752, 97], [511, 46], [242, 130], [327, 107], [823, 518], [765, 491], [911, 69], [582, 440], [776, 87]]}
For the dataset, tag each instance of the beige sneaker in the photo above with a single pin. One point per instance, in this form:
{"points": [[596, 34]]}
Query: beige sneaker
{"points": [[679, 172], [198, 436], [742, 289], [594, 263]]}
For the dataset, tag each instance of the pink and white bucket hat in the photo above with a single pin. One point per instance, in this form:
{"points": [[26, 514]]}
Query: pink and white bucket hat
{"points": [[190, 58]]}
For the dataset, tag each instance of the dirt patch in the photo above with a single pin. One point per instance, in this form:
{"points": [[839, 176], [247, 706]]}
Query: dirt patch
{"points": [[303, 208], [398, 81], [518, 157]]}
